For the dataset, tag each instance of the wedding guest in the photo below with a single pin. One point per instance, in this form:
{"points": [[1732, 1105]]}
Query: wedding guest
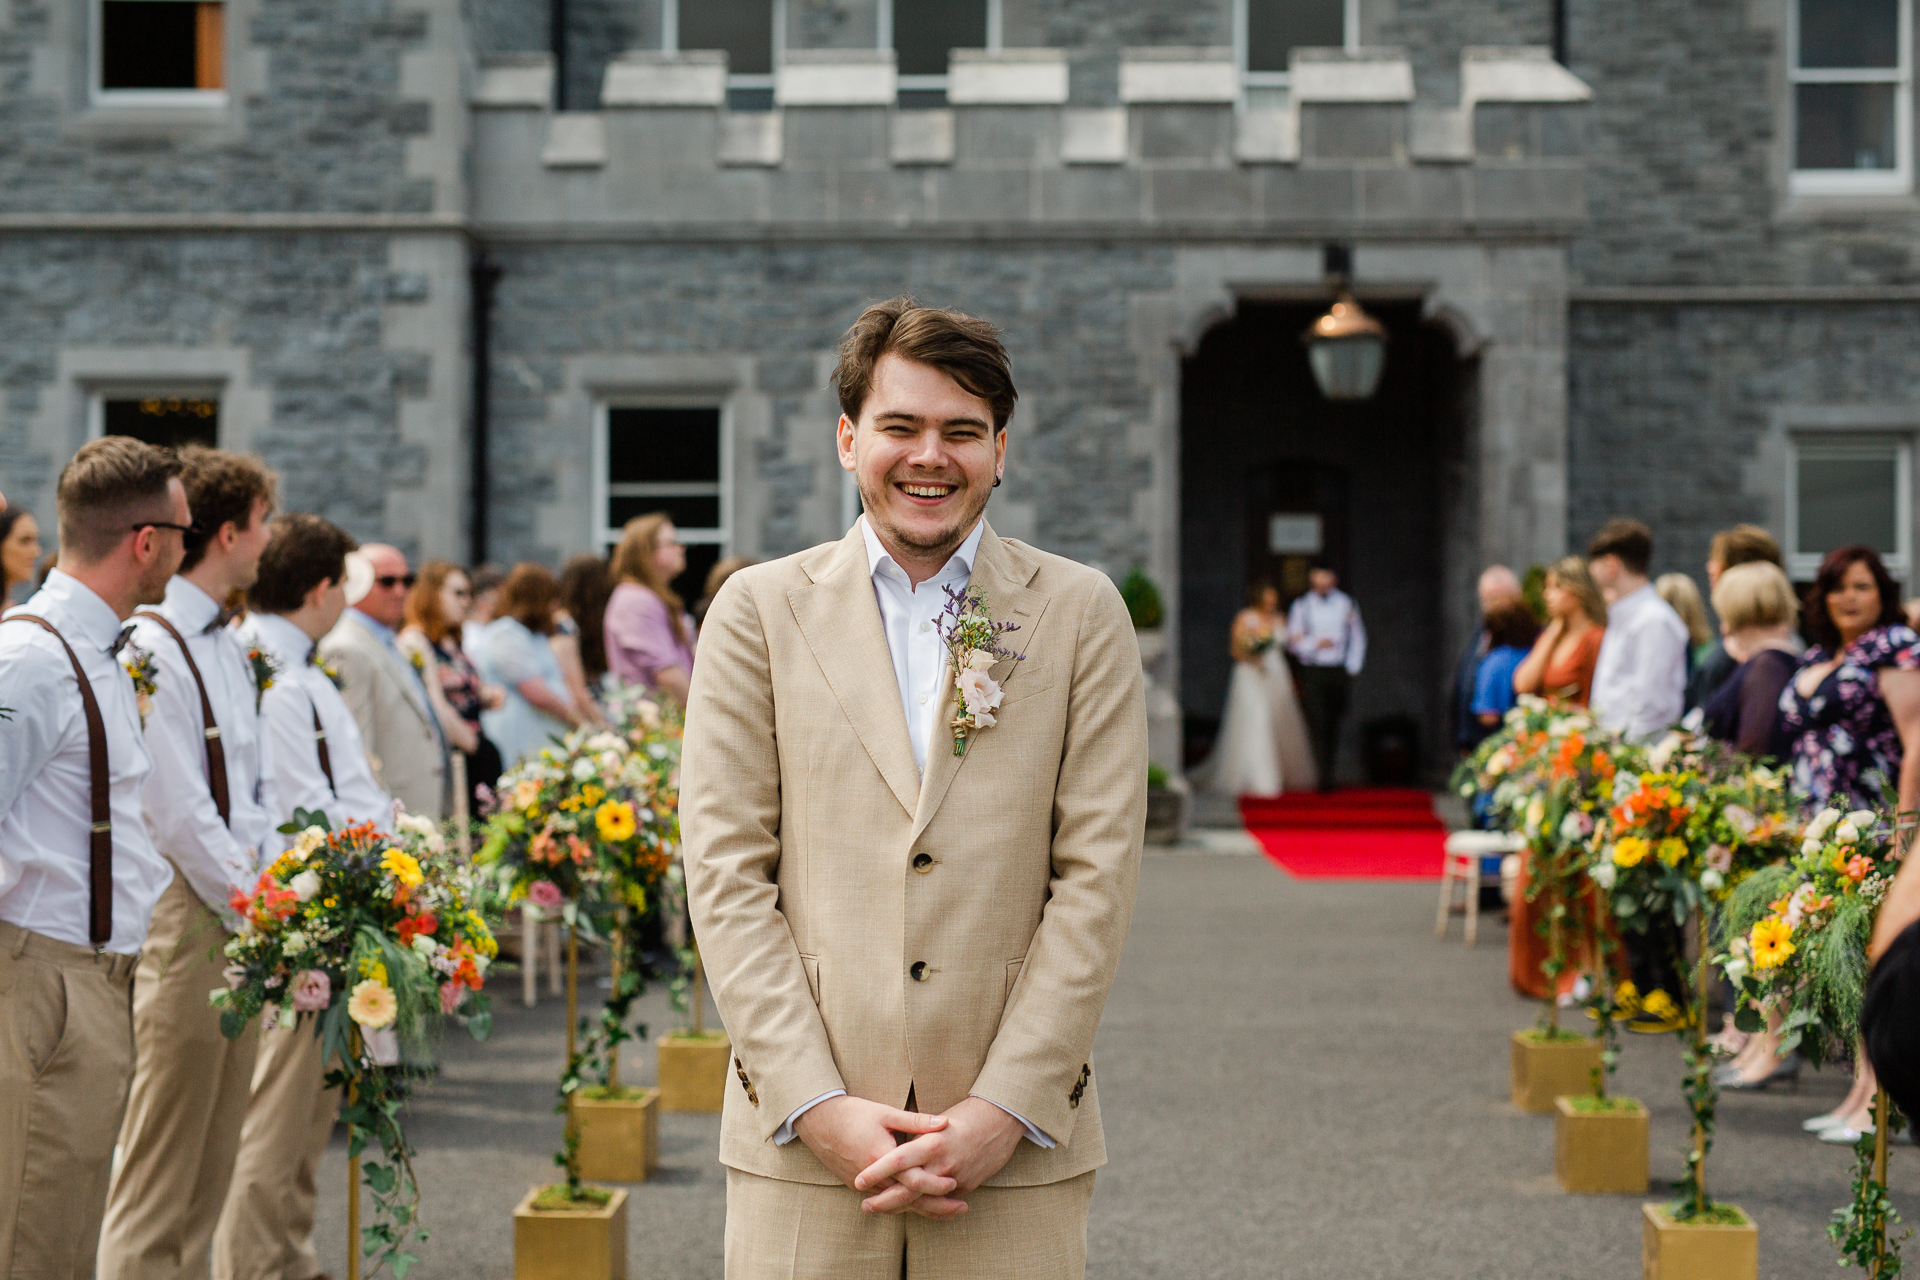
{"points": [[717, 576], [1326, 636], [1742, 544], [77, 886], [515, 655], [1757, 619], [484, 581], [1683, 596], [211, 809], [650, 637], [19, 552], [579, 638], [1511, 631], [436, 610], [1560, 666], [319, 764], [1911, 611], [1497, 585], [1640, 676]]}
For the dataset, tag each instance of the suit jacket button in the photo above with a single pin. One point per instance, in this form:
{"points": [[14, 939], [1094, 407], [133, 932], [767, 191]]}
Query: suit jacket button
{"points": [[922, 861], [919, 971]]}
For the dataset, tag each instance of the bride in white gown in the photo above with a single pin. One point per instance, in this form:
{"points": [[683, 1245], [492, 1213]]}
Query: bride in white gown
{"points": [[1262, 749]]}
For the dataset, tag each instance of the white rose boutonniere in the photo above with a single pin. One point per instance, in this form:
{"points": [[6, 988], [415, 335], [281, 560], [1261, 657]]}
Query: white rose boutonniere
{"points": [[973, 645]]}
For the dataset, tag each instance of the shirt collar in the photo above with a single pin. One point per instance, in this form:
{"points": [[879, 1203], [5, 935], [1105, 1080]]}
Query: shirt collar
{"points": [[289, 643], [190, 606], [77, 609], [1634, 600], [961, 560], [380, 630]]}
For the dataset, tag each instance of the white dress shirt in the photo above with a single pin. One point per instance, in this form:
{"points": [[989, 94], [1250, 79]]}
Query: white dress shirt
{"points": [[216, 857], [1325, 631], [910, 616], [46, 782], [1640, 675], [298, 692]]}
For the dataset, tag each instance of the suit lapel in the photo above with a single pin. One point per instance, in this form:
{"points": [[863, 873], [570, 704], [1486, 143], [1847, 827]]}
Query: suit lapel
{"points": [[841, 622], [1002, 572]]}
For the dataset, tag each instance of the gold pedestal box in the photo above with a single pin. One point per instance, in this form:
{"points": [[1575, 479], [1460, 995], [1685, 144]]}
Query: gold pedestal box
{"points": [[619, 1138], [694, 1071], [570, 1244], [1600, 1152], [1545, 1070], [1672, 1250]]}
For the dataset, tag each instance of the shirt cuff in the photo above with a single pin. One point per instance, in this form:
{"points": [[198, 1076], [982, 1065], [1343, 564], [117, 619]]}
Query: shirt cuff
{"points": [[1034, 1135], [784, 1134]]}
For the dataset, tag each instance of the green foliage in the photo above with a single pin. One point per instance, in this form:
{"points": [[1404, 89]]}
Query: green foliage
{"points": [[1863, 1231], [1703, 1098], [1142, 599], [559, 1198], [1157, 778], [1591, 1104], [1533, 587], [372, 1115]]}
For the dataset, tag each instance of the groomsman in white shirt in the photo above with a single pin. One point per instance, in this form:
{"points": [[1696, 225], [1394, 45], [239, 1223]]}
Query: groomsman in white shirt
{"points": [[319, 763], [79, 876], [1329, 645], [211, 811], [1640, 676]]}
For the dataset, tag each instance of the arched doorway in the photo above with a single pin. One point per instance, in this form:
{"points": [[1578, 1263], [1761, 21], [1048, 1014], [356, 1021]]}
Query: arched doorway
{"points": [[1272, 472]]}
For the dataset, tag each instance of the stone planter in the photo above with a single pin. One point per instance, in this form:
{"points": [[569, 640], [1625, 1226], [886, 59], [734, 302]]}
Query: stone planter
{"points": [[619, 1137], [1672, 1250], [570, 1244], [694, 1071], [1164, 808], [1600, 1152], [1544, 1070]]}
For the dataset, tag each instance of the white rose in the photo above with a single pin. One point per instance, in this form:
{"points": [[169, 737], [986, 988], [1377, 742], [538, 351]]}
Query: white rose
{"points": [[1810, 846], [294, 943], [583, 769], [1818, 828], [305, 885], [415, 823], [424, 945], [979, 659], [1604, 874], [307, 842], [1845, 833], [1712, 880], [1736, 969], [1864, 819]]}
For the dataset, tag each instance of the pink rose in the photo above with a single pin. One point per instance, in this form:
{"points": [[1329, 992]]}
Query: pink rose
{"points": [[544, 894], [451, 994], [1720, 858], [982, 694], [312, 991]]}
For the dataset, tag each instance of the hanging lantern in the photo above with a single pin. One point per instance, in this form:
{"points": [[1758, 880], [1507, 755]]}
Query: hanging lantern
{"points": [[1347, 350]]}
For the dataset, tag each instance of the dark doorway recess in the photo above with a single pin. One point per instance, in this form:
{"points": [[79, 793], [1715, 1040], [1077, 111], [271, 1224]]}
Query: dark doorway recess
{"points": [[170, 421], [1273, 473]]}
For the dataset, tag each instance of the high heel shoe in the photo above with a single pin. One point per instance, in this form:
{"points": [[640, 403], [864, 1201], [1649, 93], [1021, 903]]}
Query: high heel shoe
{"points": [[1785, 1071], [1820, 1124]]}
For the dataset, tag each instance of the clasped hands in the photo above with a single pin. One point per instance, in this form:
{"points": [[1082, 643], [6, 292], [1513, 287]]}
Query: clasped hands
{"points": [[909, 1161]]}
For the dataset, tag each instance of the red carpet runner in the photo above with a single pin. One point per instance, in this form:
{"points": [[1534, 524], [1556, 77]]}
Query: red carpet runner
{"points": [[1366, 833]]}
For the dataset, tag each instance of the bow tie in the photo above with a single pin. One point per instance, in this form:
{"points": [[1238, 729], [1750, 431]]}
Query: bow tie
{"points": [[220, 620], [120, 641]]}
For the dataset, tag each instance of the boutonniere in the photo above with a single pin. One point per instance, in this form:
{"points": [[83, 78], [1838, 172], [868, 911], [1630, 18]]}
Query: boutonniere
{"points": [[973, 645], [419, 661], [145, 673], [325, 668], [264, 669]]}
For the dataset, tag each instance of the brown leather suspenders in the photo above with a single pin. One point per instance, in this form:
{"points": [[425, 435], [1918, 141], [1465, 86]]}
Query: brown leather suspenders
{"points": [[320, 742], [100, 838], [216, 752]]}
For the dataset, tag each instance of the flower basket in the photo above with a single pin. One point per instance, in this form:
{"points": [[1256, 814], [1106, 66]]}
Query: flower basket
{"points": [[619, 1135], [1600, 1151], [585, 1243], [1672, 1250], [1546, 1067], [694, 1066]]}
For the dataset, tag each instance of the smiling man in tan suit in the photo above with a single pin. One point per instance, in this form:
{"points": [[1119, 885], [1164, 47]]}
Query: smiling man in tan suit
{"points": [[911, 947]]}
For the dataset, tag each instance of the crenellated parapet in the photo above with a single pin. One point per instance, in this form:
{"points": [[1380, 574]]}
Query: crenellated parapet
{"points": [[1350, 149]]}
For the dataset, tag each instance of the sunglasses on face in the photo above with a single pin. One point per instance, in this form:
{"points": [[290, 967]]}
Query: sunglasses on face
{"points": [[162, 524], [391, 580]]}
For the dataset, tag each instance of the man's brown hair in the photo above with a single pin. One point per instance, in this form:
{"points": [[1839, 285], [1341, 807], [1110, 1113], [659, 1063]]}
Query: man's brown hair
{"points": [[1745, 544], [109, 486], [221, 487], [530, 595], [1628, 539], [966, 349], [302, 552]]}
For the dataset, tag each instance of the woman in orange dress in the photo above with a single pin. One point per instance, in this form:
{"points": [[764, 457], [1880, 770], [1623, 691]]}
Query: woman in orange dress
{"points": [[1560, 669]]}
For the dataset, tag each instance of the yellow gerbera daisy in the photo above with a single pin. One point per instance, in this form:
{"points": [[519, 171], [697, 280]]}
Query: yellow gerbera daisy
{"points": [[615, 821], [372, 1005], [402, 866], [1629, 851], [1771, 943], [1671, 850]]}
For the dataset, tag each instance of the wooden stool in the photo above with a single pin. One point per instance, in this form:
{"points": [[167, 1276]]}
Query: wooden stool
{"points": [[1461, 864]]}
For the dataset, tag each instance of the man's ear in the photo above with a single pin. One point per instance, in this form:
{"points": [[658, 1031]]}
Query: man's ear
{"points": [[312, 599], [844, 432]]}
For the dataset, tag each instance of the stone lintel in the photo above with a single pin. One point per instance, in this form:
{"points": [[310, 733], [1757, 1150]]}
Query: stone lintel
{"points": [[1440, 135], [1094, 136], [515, 80], [643, 78], [920, 137], [1176, 75], [836, 78], [1524, 73], [752, 138], [1267, 137], [1011, 77], [575, 140], [1360, 75]]}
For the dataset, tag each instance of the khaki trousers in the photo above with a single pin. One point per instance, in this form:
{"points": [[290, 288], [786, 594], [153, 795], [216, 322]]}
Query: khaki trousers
{"points": [[266, 1230], [189, 1100], [799, 1231], [66, 1054]]}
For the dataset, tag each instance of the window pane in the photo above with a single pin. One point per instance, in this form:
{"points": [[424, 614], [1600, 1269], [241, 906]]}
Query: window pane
{"points": [[148, 44], [165, 420], [1275, 28], [1844, 500], [924, 31], [1849, 33], [688, 513], [744, 28], [662, 444], [1844, 126]]}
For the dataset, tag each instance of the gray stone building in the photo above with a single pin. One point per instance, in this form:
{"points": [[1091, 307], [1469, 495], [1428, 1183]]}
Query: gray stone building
{"points": [[483, 279]]}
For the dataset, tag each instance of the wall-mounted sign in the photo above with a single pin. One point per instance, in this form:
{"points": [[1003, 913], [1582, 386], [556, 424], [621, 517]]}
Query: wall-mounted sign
{"points": [[1294, 534]]}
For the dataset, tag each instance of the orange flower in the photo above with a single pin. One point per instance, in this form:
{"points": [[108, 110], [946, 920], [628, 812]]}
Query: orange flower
{"points": [[1603, 764]]}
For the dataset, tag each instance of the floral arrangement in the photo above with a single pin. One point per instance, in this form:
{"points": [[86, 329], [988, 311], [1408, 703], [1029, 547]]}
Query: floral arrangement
{"points": [[973, 645], [373, 936], [145, 673], [263, 666]]}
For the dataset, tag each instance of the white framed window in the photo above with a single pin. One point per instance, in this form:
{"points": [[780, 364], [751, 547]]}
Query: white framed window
{"points": [[1847, 489], [922, 33], [1850, 81], [752, 33], [163, 53], [1266, 32], [672, 456], [168, 416]]}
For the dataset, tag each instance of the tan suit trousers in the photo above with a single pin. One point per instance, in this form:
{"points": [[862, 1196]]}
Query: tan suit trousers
{"points": [[189, 1100], [266, 1231], [66, 1055], [779, 1230]]}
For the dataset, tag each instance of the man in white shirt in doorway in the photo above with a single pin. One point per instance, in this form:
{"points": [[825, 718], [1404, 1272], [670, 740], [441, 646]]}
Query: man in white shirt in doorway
{"points": [[1640, 677], [1329, 646]]}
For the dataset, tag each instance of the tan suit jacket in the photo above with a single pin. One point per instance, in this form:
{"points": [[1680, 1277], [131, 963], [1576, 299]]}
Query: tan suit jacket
{"points": [[402, 739], [821, 869]]}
